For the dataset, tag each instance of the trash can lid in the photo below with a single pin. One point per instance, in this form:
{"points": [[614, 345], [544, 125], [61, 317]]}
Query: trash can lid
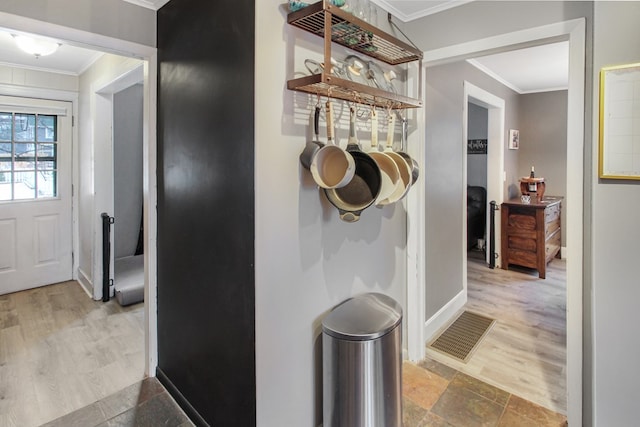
{"points": [[363, 317]]}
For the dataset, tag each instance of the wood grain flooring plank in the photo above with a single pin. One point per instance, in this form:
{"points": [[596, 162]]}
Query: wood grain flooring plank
{"points": [[61, 351], [524, 353]]}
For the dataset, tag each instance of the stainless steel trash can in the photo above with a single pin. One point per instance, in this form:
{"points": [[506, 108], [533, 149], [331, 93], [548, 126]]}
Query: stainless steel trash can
{"points": [[362, 363]]}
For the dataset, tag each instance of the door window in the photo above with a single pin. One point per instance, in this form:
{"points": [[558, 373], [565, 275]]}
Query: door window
{"points": [[28, 156]]}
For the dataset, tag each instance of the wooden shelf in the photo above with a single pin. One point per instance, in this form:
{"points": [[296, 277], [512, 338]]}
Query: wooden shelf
{"points": [[335, 25]]}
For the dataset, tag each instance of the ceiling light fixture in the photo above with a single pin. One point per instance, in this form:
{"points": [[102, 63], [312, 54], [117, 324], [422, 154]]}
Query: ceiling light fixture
{"points": [[36, 47]]}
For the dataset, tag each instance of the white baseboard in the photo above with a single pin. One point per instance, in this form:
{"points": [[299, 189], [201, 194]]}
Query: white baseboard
{"points": [[85, 282], [563, 252], [444, 315]]}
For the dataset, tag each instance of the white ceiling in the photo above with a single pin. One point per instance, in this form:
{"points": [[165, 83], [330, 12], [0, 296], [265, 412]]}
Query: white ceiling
{"points": [[66, 60], [408, 10], [535, 69]]}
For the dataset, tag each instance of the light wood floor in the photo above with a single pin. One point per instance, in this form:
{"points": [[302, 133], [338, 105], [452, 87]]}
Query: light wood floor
{"points": [[61, 351], [524, 353]]}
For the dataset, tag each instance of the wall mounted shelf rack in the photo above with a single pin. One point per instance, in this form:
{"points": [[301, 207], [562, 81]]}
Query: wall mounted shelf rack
{"points": [[335, 25]]}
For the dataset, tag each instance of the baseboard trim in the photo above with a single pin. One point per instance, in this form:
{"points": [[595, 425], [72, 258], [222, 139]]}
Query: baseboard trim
{"points": [[191, 412], [85, 283], [444, 315]]}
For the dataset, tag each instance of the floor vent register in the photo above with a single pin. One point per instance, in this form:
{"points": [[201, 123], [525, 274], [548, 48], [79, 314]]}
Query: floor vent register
{"points": [[462, 337]]}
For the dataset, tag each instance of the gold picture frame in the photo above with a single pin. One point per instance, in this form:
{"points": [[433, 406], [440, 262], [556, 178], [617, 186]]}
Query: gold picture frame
{"points": [[619, 147]]}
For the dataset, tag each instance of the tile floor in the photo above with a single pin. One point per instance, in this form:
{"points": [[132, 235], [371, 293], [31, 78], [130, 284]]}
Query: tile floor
{"points": [[434, 395], [437, 395], [145, 403]]}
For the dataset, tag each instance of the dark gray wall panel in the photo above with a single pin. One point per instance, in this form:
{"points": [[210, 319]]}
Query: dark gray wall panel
{"points": [[206, 291], [127, 162]]}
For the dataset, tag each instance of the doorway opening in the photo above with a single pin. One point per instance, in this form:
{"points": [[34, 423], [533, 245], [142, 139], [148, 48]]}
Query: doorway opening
{"points": [[574, 32], [84, 132], [517, 297], [477, 203], [509, 299], [128, 233], [483, 116], [119, 122]]}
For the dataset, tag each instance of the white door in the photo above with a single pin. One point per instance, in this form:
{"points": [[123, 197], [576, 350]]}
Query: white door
{"points": [[35, 193]]}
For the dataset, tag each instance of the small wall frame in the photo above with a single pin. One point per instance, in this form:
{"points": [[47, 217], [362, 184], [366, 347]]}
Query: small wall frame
{"points": [[619, 147], [514, 139]]}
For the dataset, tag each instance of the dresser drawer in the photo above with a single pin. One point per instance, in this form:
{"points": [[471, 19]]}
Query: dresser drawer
{"points": [[551, 227], [522, 222], [522, 243], [552, 246], [552, 213], [523, 258]]}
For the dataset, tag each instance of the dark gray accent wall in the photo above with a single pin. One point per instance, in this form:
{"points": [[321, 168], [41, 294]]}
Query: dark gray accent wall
{"points": [[127, 164], [477, 124], [206, 276]]}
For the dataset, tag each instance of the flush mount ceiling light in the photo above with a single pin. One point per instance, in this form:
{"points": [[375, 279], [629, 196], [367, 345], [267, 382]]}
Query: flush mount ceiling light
{"points": [[36, 47]]}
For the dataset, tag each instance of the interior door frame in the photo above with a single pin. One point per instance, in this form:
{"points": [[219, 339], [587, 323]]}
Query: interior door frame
{"points": [[149, 55], [103, 122], [575, 32], [495, 161]]}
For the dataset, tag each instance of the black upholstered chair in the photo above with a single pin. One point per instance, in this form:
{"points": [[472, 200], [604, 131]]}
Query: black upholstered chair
{"points": [[476, 214]]}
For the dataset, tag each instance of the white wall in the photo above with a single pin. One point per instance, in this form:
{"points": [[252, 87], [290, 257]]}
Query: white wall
{"points": [[21, 78], [112, 18], [307, 259], [485, 18], [127, 164], [615, 288]]}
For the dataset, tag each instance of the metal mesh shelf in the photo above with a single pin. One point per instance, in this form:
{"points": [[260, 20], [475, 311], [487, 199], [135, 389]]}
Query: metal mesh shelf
{"points": [[354, 33], [334, 87], [335, 25]]}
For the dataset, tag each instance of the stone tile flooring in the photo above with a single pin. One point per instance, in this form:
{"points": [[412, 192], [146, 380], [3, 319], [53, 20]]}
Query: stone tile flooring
{"points": [[434, 395], [437, 395], [145, 403]]}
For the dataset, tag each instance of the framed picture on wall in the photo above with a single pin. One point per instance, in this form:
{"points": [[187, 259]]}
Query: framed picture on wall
{"points": [[619, 148], [477, 146], [514, 139]]}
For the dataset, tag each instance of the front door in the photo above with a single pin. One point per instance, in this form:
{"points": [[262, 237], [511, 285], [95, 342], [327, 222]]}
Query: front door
{"points": [[35, 193]]}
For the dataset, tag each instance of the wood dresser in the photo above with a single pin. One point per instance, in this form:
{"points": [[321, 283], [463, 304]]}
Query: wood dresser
{"points": [[531, 234]]}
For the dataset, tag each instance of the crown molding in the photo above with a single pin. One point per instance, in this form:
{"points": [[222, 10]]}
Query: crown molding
{"points": [[149, 4], [388, 5]]}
